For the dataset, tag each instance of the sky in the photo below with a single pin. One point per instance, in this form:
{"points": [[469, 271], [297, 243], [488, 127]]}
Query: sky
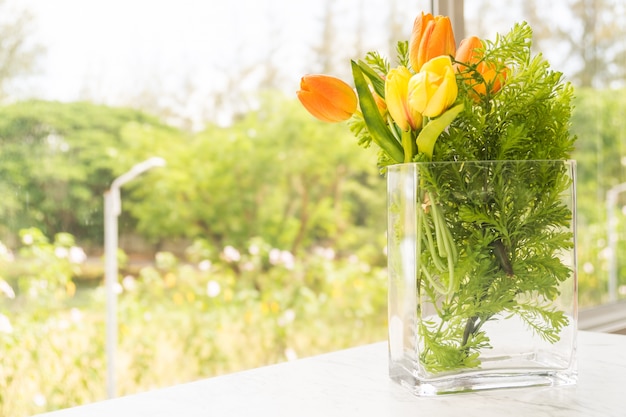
{"points": [[113, 46], [110, 50]]}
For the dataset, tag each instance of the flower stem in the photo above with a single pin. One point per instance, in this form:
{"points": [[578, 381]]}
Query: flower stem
{"points": [[469, 330], [409, 145]]}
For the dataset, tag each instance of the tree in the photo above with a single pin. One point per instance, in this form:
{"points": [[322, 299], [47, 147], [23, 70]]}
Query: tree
{"points": [[18, 55], [589, 32], [276, 173], [56, 161], [582, 38]]}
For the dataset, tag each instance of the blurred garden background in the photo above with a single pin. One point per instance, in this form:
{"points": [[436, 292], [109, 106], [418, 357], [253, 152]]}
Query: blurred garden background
{"points": [[263, 238]]}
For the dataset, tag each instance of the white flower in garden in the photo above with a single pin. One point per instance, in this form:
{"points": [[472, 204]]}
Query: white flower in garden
{"points": [[129, 283], [248, 266], [5, 252], [40, 400], [117, 288], [77, 255], [254, 249], [588, 268], [287, 317], [63, 324], [274, 256], [76, 315], [291, 354], [287, 259], [6, 289], [231, 254], [205, 265], [5, 324], [28, 239], [290, 315], [282, 257], [213, 289], [327, 253], [61, 252]]}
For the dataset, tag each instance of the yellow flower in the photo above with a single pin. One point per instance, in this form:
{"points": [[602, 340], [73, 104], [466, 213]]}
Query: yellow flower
{"points": [[433, 90], [169, 280], [432, 36], [178, 298], [396, 96], [327, 98], [70, 288]]}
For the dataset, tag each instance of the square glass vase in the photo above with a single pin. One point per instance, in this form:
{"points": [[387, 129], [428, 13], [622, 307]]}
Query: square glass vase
{"points": [[482, 275]]}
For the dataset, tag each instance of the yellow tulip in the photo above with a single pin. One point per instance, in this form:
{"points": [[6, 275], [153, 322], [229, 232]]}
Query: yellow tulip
{"points": [[433, 90], [432, 36], [327, 98], [396, 96], [470, 53]]}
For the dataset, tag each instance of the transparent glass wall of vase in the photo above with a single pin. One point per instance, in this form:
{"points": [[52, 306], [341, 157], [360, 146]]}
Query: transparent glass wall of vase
{"points": [[482, 274]]}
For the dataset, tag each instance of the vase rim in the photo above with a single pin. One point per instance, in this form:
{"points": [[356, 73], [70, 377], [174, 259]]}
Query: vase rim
{"points": [[486, 161]]}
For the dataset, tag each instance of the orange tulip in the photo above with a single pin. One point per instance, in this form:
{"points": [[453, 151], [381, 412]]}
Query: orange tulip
{"points": [[469, 50], [327, 98], [432, 36], [470, 53]]}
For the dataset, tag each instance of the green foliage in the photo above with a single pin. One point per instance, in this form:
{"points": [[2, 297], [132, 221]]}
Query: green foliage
{"points": [[275, 173], [529, 118], [39, 331], [56, 161], [601, 163], [490, 235], [507, 227]]}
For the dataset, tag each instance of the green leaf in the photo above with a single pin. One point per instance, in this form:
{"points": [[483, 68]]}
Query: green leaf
{"points": [[381, 134], [377, 82], [431, 131]]}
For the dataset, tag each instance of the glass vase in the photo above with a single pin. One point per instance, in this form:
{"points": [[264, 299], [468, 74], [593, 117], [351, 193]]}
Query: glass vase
{"points": [[482, 275]]}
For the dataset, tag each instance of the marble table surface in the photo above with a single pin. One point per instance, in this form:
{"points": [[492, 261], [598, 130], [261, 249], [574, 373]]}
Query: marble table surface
{"points": [[354, 382]]}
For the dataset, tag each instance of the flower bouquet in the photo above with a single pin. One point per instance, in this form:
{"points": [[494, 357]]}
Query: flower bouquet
{"points": [[475, 144]]}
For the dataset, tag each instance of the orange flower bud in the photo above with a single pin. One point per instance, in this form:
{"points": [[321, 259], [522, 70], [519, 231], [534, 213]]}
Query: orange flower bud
{"points": [[380, 103], [431, 37], [327, 98], [470, 53]]}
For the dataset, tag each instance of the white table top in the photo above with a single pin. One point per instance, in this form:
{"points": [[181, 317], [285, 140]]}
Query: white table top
{"points": [[354, 382]]}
